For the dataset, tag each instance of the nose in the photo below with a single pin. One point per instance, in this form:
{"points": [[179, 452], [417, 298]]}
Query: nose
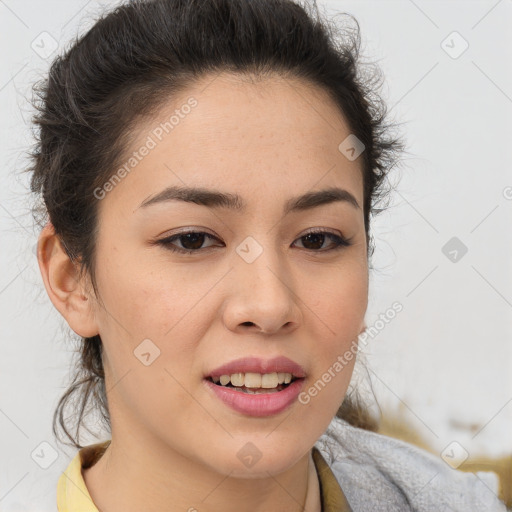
{"points": [[262, 297]]}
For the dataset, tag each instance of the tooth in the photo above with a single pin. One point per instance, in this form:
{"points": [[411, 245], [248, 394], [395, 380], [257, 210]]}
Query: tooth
{"points": [[252, 380], [269, 380], [224, 379], [259, 391], [237, 379]]}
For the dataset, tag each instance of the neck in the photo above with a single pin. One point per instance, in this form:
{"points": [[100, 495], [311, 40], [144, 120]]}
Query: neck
{"points": [[137, 476]]}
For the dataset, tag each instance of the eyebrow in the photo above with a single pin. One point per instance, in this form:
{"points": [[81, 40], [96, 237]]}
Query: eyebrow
{"points": [[216, 199]]}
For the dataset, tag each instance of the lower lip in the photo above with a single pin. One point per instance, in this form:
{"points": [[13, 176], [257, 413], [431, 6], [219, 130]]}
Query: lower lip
{"points": [[262, 404]]}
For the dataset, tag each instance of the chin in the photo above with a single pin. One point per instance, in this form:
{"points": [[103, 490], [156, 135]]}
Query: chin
{"points": [[253, 459]]}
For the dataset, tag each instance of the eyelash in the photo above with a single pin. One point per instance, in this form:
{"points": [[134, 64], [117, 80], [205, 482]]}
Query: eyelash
{"points": [[340, 242]]}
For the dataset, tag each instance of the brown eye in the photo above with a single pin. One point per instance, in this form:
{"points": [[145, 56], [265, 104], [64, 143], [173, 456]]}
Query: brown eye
{"points": [[314, 240], [191, 241]]}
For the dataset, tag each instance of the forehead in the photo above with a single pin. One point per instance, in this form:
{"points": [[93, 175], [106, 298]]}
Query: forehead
{"points": [[236, 134], [234, 110]]}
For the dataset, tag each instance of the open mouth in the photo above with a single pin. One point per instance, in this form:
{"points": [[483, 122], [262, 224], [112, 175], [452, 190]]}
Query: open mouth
{"points": [[255, 383]]}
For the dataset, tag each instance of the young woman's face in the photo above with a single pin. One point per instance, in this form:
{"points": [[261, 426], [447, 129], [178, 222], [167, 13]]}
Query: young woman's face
{"points": [[255, 286]]}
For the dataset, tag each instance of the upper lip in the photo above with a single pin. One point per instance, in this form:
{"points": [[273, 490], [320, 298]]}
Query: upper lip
{"points": [[279, 364]]}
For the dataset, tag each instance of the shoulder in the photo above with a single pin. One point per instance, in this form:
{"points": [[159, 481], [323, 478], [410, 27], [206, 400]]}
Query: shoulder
{"points": [[390, 475]]}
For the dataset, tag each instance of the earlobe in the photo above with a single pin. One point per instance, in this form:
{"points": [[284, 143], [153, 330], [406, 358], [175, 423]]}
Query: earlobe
{"points": [[61, 280]]}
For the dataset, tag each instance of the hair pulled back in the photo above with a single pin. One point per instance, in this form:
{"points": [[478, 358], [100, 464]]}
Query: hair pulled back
{"points": [[136, 57]]}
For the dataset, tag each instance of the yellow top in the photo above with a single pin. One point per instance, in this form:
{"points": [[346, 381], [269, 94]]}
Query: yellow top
{"points": [[73, 496]]}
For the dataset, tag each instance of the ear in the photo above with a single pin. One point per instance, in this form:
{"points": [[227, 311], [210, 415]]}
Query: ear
{"points": [[60, 276]]}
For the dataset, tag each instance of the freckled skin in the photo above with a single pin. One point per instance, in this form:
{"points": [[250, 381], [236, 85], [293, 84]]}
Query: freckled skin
{"points": [[172, 441]]}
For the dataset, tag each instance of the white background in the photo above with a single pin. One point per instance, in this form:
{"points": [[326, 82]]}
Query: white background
{"points": [[444, 363]]}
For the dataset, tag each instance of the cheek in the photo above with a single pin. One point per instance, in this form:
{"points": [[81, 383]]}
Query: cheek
{"points": [[338, 313], [149, 341], [340, 302], [142, 302], [146, 389], [150, 328]]}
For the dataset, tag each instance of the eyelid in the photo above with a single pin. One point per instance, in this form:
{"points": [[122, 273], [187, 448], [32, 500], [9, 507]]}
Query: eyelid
{"points": [[340, 240], [197, 229]]}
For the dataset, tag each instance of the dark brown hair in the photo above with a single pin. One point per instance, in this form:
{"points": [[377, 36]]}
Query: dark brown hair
{"points": [[134, 59]]}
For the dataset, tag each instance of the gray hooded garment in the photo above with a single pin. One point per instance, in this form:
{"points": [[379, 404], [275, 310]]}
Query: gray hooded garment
{"points": [[378, 473]]}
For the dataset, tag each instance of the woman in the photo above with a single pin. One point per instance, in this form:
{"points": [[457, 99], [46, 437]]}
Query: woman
{"points": [[209, 168]]}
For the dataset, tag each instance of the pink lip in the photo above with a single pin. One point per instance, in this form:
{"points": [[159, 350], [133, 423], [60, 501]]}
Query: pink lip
{"points": [[264, 404], [279, 364]]}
